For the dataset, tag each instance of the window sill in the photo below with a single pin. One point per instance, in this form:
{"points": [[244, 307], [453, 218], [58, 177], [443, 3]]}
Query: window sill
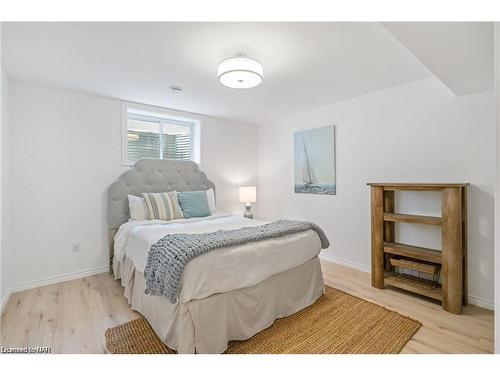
{"points": [[132, 165]]}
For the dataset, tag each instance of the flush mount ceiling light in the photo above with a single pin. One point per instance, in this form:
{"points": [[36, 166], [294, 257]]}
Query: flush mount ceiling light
{"points": [[240, 72]]}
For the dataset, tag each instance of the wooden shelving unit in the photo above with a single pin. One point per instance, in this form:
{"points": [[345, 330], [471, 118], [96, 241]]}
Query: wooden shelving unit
{"points": [[451, 260]]}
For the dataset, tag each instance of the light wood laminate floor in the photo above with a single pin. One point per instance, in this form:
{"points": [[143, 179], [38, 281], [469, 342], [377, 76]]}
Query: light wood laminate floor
{"points": [[71, 317]]}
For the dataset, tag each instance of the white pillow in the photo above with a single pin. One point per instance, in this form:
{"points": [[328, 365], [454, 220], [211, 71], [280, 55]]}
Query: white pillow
{"points": [[211, 200], [137, 207]]}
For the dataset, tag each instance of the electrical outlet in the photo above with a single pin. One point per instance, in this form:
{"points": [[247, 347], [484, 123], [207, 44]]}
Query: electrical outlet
{"points": [[76, 247]]}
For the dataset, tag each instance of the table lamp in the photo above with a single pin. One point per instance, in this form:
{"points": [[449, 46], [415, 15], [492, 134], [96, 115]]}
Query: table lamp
{"points": [[248, 195]]}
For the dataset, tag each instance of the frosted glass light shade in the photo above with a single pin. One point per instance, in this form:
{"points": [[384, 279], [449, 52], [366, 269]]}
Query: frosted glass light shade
{"points": [[248, 194], [240, 72]]}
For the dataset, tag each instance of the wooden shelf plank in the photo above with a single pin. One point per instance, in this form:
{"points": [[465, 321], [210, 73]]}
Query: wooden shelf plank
{"points": [[415, 219], [416, 187], [415, 252], [391, 280]]}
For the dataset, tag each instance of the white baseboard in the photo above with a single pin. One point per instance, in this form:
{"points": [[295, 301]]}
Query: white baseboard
{"points": [[343, 262], [5, 299], [57, 279], [51, 280], [477, 301], [481, 302]]}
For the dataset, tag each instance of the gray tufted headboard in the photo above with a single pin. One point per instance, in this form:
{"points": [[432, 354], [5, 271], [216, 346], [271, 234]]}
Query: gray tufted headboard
{"points": [[151, 176]]}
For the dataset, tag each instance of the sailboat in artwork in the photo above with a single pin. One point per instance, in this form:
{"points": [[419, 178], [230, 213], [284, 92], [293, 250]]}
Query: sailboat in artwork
{"points": [[314, 161], [308, 175]]}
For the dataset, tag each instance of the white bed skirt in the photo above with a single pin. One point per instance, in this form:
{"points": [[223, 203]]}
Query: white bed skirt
{"points": [[207, 325]]}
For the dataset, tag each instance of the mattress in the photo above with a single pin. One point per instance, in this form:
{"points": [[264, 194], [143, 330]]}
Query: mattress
{"points": [[222, 270]]}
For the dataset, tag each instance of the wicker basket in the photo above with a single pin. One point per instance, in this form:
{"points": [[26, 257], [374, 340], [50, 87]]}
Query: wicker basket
{"points": [[414, 270], [428, 268]]}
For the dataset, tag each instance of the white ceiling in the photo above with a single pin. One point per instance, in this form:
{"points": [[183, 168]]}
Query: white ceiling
{"points": [[460, 54], [305, 64]]}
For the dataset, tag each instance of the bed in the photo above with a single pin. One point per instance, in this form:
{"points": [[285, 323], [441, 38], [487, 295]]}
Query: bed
{"points": [[227, 294]]}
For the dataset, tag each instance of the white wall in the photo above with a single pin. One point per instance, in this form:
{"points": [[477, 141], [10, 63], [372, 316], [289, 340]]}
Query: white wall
{"points": [[66, 151], [4, 203], [497, 193], [3, 283], [4, 185], [418, 132]]}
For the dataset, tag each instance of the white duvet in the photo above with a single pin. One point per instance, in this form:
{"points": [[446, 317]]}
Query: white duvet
{"points": [[221, 270]]}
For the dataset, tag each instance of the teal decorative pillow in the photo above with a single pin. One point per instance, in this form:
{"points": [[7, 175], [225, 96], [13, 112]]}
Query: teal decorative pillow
{"points": [[194, 203]]}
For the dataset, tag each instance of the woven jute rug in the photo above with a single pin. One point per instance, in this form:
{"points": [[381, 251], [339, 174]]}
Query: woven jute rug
{"points": [[338, 323]]}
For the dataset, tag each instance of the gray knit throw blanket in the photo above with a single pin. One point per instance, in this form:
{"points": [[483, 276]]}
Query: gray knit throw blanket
{"points": [[169, 256]]}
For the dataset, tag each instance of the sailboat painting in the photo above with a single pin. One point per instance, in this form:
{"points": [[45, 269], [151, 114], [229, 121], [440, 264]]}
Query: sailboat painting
{"points": [[314, 154]]}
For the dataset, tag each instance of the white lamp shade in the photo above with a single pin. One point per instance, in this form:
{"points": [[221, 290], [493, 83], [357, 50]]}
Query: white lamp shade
{"points": [[240, 72], [248, 194]]}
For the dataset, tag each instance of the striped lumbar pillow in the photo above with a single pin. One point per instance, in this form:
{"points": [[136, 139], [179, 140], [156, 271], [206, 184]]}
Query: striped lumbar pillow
{"points": [[163, 206]]}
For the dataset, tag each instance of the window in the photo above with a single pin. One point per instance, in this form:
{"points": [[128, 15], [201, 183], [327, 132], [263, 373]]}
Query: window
{"points": [[158, 135]]}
